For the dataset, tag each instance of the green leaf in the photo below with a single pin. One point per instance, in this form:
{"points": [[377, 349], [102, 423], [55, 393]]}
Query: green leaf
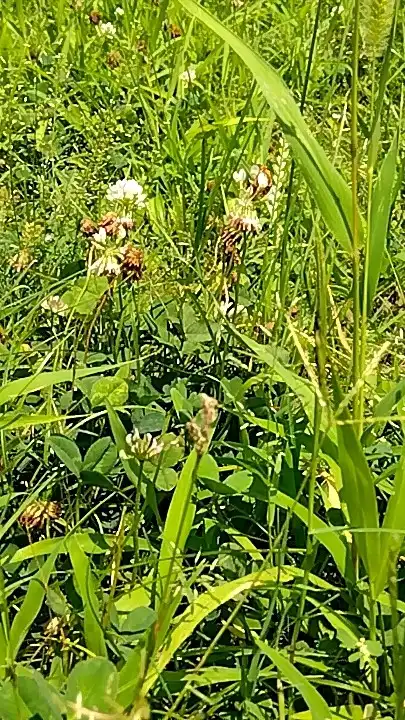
{"points": [[130, 676], [67, 451], [139, 620], [86, 585], [381, 203], [109, 390], [329, 190], [316, 703], [208, 468], [85, 294], [101, 456], [239, 481], [12, 707], [96, 682], [56, 601], [15, 420], [39, 696]]}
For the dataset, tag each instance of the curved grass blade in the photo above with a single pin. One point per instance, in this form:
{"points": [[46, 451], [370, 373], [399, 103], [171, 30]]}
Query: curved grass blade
{"points": [[381, 204], [316, 703], [93, 633], [210, 600], [329, 189]]}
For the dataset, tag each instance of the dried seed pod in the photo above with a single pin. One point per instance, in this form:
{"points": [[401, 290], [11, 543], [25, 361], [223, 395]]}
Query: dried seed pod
{"points": [[132, 266]]}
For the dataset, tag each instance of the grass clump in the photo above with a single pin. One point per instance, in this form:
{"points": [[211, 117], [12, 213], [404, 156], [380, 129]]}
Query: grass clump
{"points": [[202, 465]]}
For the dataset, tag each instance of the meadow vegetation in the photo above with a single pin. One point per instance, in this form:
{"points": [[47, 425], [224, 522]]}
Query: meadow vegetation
{"points": [[202, 416]]}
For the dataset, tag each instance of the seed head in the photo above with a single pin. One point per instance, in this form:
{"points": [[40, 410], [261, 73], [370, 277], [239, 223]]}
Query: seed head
{"points": [[21, 260]]}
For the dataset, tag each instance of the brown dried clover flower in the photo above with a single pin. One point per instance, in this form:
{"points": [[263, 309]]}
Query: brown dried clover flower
{"points": [[109, 222], [114, 59], [37, 513], [175, 31], [87, 226], [95, 17], [132, 265]]}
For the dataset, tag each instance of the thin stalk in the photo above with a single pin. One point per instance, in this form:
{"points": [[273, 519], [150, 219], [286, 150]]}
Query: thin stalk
{"points": [[355, 219], [363, 342], [373, 637], [137, 520]]}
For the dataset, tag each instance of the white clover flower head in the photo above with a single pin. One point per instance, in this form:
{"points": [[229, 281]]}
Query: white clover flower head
{"points": [[119, 11], [188, 76], [240, 176], [121, 232], [55, 304], [99, 237], [127, 190], [262, 180], [107, 28], [142, 448], [109, 263]]}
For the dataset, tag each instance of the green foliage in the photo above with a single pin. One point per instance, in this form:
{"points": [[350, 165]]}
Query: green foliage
{"points": [[202, 401]]}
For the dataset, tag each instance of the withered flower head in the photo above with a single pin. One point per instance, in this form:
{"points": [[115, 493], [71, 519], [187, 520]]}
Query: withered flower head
{"points": [[261, 180], [114, 59], [175, 31], [109, 223], [21, 260], [87, 226], [95, 17], [132, 266], [38, 512]]}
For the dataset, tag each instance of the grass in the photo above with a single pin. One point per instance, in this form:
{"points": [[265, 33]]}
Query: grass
{"points": [[202, 414]]}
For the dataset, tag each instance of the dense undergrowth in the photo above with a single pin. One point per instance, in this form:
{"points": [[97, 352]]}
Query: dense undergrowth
{"points": [[201, 348]]}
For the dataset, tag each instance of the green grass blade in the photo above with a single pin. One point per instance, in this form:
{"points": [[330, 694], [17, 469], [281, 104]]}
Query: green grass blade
{"points": [[381, 204], [30, 607], [329, 189], [30, 384], [316, 703], [394, 520], [358, 492], [93, 633], [210, 600]]}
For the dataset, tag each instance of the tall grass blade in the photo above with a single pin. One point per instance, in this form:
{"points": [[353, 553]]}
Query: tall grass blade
{"points": [[381, 204], [394, 519], [30, 607], [210, 600], [85, 584], [330, 191], [316, 703]]}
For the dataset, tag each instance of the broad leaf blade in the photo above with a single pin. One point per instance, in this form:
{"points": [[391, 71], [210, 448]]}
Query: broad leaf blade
{"points": [[394, 520]]}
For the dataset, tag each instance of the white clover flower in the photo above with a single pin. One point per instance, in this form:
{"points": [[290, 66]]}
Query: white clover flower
{"points": [[188, 76], [133, 190], [100, 237], [254, 171], [107, 29], [262, 180], [121, 232], [142, 448], [119, 11], [239, 176], [127, 190], [109, 263], [55, 304]]}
